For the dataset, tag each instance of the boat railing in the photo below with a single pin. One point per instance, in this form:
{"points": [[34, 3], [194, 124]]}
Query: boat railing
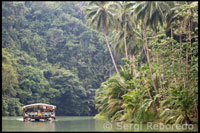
{"points": [[35, 114]]}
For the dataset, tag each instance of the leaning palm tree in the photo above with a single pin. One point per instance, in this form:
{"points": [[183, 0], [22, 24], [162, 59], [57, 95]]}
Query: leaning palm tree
{"points": [[99, 11]]}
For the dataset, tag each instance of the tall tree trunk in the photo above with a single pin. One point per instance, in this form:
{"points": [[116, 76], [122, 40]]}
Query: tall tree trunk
{"points": [[186, 61], [187, 56], [180, 40], [173, 56], [148, 60], [190, 37], [159, 76], [125, 39], [134, 66], [113, 60]]}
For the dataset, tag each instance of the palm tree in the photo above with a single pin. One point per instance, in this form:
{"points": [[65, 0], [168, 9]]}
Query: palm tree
{"points": [[142, 15], [149, 14], [159, 12], [108, 97], [123, 19], [99, 11]]}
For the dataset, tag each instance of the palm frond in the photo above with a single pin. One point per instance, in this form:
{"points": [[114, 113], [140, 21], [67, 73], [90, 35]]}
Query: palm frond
{"points": [[99, 23], [168, 120], [128, 5], [91, 14], [165, 112], [94, 18], [179, 120]]}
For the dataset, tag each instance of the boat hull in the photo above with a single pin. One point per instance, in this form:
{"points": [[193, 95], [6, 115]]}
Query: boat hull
{"points": [[39, 118]]}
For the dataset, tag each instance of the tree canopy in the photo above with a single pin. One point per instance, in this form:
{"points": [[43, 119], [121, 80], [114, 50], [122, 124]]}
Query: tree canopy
{"points": [[140, 65], [50, 55]]}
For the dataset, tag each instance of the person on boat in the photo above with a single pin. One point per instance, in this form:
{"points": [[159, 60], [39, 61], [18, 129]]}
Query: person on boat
{"points": [[39, 113], [35, 113], [25, 114], [32, 113]]}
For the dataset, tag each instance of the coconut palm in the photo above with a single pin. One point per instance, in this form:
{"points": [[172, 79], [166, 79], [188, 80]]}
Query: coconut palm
{"points": [[159, 13], [149, 14], [108, 97], [124, 23], [99, 11]]}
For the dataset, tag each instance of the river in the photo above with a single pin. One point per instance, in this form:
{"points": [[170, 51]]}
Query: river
{"points": [[85, 123]]}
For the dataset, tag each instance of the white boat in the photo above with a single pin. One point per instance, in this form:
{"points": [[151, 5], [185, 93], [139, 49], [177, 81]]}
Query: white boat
{"points": [[39, 111]]}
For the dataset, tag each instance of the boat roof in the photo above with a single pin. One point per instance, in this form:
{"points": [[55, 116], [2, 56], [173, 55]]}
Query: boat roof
{"points": [[51, 107]]}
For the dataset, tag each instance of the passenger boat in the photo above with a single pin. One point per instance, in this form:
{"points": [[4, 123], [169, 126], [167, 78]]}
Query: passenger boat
{"points": [[39, 111]]}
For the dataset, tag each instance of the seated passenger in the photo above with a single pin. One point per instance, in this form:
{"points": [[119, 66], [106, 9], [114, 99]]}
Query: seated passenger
{"points": [[46, 114], [35, 113], [32, 113], [43, 113], [39, 113]]}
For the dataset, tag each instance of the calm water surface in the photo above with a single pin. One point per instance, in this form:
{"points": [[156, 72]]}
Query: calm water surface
{"points": [[83, 123]]}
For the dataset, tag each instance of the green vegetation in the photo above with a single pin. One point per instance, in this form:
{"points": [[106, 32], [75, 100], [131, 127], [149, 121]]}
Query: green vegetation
{"points": [[52, 54], [158, 80], [49, 55]]}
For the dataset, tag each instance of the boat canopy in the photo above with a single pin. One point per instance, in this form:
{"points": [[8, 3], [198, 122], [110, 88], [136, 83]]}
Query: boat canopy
{"points": [[41, 105]]}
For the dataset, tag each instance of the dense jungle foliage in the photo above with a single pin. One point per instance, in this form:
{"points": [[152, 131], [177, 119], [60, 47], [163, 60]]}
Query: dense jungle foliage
{"points": [[50, 55], [159, 43]]}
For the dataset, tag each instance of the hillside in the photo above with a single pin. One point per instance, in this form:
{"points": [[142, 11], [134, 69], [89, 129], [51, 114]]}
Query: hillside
{"points": [[53, 56]]}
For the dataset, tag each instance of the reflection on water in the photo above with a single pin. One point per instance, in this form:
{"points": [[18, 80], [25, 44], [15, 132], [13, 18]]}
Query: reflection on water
{"points": [[60, 124], [39, 126], [78, 123], [17, 124]]}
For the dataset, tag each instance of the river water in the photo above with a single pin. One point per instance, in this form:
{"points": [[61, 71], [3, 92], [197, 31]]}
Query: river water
{"points": [[85, 123]]}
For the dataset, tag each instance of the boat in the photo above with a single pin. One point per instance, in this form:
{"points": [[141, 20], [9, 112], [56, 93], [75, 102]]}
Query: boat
{"points": [[39, 112]]}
